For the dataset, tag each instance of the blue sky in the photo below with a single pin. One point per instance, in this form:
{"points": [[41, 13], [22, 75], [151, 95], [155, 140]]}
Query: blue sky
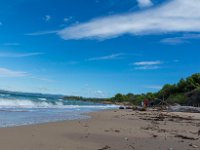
{"points": [[97, 48]]}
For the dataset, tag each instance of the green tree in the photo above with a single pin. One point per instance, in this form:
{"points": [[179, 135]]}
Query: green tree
{"points": [[179, 98], [119, 97], [192, 82], [182, 85], [130, 97], [167, 90]]}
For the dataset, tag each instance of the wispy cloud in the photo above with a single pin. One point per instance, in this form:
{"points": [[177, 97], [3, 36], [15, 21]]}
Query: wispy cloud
{"points": [[67, 19], [99, 93], [180, 39], [47, 18], [19, 55], [42, 79], [172, 16], [11, 44], [144, 3], [147, 65], [73, 62], [108, 57], [150, 67], [156, 87], [42, 33], [142, 63], [4, 72]]}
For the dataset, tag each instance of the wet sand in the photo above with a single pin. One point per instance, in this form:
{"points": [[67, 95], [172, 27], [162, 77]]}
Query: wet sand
{"points": [[109, 130]]}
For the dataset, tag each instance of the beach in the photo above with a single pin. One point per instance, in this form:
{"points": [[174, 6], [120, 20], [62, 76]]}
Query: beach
{"points": [[109, 130]]}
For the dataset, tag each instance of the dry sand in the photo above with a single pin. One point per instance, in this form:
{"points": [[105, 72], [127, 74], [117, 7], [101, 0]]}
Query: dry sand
{"points": [[109, 130]]}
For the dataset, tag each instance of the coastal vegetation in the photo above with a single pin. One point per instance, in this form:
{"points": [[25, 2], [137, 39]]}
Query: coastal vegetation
{"points": [[185, 92]]}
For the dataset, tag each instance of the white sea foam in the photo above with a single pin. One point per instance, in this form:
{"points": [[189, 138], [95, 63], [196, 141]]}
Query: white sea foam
{"points": [[17, 103], [10, 103], [42, 99], [23, 111]]}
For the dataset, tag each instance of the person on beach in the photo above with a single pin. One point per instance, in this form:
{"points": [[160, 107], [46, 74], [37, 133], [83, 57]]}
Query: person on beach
{"points": [[142, 103], [146, 103]]}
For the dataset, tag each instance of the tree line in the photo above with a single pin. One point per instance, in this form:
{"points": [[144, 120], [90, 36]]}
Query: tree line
{"points": [[185, 92]]}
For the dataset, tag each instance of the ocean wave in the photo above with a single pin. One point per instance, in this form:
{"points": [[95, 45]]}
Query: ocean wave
{"points": [[14, 110], [4, 95], [18, 103], [42, 99], [15, 103]]}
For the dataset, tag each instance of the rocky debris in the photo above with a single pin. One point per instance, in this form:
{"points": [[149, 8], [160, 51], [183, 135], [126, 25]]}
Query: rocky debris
{"points": [[166, 117], [155, 136], [126, 139], [131, 146], [117, 131], [139, 108], [128, 107], [186, 137], [105, 147], [154, 128], [194, 146], [112, 130], [179, 108], [121, 107], [133, 108]]}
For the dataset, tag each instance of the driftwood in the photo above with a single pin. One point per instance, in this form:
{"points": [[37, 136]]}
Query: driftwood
{"points": [[105, 147], [179, 108]]}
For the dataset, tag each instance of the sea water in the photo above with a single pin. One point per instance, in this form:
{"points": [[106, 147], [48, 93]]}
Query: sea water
{"points": [[18, 109]]}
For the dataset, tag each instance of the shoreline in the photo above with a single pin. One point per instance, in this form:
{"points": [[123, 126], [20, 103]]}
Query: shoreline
{"points": [[108, 129], [85, 116]]}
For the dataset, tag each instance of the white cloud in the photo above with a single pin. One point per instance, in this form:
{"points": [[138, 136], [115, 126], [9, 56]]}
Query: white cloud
{"points": [[109, 57], [18, 55], [142, 63], [4, 72], [181, 39], [47, 18], [147, 65], [144, 3], [172, 16]]}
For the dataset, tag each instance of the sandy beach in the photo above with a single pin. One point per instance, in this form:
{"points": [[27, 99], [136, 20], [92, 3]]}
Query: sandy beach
{"points": [[109, 130]]}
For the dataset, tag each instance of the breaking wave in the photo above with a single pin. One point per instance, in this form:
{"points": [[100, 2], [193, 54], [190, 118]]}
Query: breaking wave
{"points": [[25, 108], [18, 103]]}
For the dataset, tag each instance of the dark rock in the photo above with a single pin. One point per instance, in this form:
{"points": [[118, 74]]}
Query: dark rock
{"points": [[121, 107]]}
